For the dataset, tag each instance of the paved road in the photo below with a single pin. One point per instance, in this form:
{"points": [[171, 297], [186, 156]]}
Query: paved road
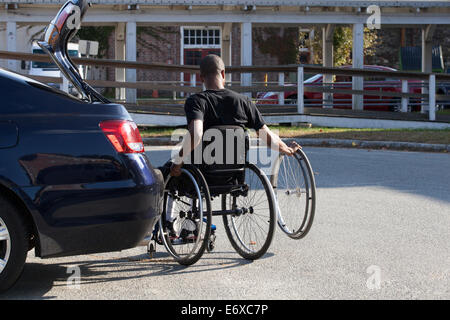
{"points": [[379, 213]]}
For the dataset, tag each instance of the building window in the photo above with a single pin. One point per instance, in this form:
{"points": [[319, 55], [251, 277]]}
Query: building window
{"points": [[201, 37]]}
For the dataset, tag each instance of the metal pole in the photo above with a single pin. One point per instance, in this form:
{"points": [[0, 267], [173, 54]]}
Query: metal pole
{"points": [[300, 91]]}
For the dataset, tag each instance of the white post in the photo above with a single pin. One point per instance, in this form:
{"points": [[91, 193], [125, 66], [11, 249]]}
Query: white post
{"points": [[405, 100], [327, 57], [427, 58], [358, 62], [226, 48], [281, 83], [193, 80], [11, 33], [432, 97], [246, 53], [120, 54], [300, 91], [131, 56]]}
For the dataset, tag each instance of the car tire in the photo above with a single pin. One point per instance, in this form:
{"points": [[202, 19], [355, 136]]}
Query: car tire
{"points": [[13, 244], [395, 105]]}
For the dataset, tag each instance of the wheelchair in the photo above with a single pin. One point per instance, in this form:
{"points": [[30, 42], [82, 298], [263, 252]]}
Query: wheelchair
{"points": [[249, 206]]}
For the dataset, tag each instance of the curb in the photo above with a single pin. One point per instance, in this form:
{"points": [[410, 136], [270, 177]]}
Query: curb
{"points": [[412, 146]]}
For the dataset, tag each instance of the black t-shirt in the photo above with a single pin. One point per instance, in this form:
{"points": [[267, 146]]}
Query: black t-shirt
{"points": [[223, 107]]}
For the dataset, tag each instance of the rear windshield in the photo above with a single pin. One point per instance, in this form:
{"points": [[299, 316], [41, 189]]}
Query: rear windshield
{"points": [[50, 65]]}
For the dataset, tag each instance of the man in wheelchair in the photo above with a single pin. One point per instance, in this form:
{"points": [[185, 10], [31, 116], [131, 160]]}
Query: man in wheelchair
{"points": [[219, 106], [220, 109]]}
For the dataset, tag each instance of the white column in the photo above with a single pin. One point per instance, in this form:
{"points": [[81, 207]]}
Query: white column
{"points": [[246, 52], [120, 55], [427, 48], [327, 37], [427, 58], [131, 55], [226, 48], [11, 43], [358, 62]]}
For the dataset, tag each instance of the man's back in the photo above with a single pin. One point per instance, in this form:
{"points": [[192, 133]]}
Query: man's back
{"points": [[223, 107]]}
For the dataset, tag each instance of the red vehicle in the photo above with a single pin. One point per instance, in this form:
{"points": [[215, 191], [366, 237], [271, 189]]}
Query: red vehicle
{"points": [[344, 100]]}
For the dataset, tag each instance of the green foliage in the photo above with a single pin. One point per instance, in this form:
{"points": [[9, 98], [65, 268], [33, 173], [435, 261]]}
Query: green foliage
{"points": [[343, 43]]}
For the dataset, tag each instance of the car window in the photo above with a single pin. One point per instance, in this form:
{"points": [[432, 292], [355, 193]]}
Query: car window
{"points": [[342, 78]]}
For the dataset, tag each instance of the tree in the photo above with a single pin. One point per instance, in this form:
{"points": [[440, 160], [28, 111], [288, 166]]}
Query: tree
{"points": [[343, 43]]}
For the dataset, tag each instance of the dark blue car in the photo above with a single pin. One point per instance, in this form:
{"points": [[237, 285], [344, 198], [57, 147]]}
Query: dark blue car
{"points": [[74, 178]]}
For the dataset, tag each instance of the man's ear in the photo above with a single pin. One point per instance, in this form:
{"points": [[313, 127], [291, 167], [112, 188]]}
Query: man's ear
{"points": [[223, 73], [201, 78]]}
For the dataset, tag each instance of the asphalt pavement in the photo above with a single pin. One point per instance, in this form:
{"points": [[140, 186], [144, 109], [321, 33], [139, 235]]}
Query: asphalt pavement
{"points": [[381, 231]]}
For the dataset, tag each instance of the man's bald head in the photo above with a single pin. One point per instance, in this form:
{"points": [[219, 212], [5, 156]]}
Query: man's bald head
{"points": [[211, 66]]}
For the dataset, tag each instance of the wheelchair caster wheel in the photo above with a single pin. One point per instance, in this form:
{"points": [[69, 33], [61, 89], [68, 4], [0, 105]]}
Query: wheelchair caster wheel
{"points": [[211, 244], [151, 249]]}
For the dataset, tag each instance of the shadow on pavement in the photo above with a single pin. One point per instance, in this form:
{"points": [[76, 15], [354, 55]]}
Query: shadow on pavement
{"points": [[38, 279]]}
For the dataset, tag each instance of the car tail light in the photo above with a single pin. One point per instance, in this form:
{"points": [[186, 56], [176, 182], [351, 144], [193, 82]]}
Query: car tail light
{"points": [[123, 135]]}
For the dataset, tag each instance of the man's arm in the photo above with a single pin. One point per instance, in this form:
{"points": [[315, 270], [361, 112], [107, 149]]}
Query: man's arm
{"points": [[190, 141], [274, 142]]}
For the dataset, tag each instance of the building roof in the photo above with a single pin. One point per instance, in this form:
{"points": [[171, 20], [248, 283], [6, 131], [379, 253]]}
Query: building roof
{"points": [[298, 3]]}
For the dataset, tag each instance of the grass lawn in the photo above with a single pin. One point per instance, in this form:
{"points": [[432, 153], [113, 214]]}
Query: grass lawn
{"points": [[402, 135]]}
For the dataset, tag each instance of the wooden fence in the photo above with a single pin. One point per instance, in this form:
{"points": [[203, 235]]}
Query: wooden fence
{"points": [[427, 97]]}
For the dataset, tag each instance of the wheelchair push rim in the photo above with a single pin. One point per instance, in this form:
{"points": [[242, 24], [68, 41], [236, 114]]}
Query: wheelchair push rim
{"points": [[295, 190]]}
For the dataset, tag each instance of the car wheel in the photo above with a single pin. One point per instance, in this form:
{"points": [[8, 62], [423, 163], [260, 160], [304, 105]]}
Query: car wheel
{"points": [[13, 244], [395, 105], [291, 99]]}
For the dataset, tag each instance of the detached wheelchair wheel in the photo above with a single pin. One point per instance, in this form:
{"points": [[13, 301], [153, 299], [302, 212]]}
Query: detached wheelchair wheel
{"points": [[251, 231], [185, 224], [295, 190]]}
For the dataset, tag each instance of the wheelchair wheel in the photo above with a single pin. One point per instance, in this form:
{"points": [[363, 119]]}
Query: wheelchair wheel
{"points": [[185, 231], [251, 232], [295, 190]]}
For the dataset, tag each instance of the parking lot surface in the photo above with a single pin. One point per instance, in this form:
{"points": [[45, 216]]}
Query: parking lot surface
{"points": [[381, 232]]}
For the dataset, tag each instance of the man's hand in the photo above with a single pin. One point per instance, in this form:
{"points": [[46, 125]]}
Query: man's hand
{"points": [[291, 149], [175, 169]]}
